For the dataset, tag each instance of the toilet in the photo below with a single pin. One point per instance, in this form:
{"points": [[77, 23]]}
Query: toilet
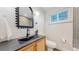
{"points": [[50, 45]]}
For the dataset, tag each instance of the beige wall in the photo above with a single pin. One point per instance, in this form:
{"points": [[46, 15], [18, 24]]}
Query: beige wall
{"points": [[60, 31], [76, 28]]}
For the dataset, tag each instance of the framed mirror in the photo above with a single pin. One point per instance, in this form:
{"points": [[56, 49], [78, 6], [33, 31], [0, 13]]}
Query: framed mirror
{"points": [[24, 17]]}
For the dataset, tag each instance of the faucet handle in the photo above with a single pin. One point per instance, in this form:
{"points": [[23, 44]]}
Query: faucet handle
{"points": [[28, 32], [36, 32]]}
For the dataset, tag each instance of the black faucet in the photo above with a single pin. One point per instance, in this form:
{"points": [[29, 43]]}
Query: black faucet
{"points": [[28, 33]]}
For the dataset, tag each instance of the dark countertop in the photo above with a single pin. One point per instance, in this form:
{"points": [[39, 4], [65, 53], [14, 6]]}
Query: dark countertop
{"points": [[14, 44]]}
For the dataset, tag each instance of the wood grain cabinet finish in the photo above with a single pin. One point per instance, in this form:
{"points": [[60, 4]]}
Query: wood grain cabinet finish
{"points": [[30, 47], [38, 45]]}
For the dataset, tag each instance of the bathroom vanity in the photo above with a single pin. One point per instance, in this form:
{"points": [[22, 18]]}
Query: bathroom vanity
{"points": [[38, 45], [34, 44]]}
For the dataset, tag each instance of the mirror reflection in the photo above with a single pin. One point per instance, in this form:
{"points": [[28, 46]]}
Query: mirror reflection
{"points": [[25, 17]]}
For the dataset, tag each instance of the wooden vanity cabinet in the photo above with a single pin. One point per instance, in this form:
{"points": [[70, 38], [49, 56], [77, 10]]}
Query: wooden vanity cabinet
{"points": [[30, 47], [38, 45]]}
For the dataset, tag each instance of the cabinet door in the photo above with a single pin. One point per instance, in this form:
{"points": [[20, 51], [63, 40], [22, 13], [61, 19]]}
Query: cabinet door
{"points": [[30, 47], [40, 44]]}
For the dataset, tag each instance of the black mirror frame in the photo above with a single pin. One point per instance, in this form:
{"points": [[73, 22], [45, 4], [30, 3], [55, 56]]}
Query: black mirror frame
{"points": [[17, 18]]}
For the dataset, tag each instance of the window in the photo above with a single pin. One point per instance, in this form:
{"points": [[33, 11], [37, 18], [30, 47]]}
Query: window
{"points": [[54, 18], [60, 17], [63, 15]]}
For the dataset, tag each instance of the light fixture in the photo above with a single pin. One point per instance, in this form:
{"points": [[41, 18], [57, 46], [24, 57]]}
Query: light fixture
{"points": [[37, 13]]}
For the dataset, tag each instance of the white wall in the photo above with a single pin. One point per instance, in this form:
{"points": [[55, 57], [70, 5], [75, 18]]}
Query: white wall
{"points": [[40, 20], [58, 32], [8, 13]]}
